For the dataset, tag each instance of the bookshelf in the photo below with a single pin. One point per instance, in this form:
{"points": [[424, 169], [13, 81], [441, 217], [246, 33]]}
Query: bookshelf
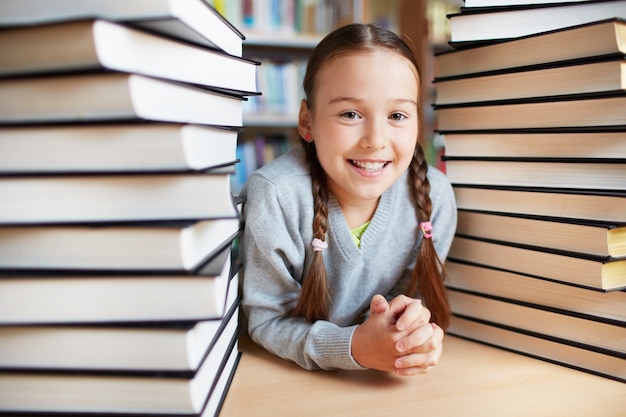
{"points": [[282, 39]]}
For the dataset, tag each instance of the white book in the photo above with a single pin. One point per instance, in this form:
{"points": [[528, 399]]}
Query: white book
{"points": [[113, 97], [191, 20], [89, 45]]}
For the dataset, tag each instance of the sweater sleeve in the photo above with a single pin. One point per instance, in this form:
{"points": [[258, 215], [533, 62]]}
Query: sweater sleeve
{"points": [[274, 257]]}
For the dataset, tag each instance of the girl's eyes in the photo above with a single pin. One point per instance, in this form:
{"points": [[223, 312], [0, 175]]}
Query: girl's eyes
{"points": [[397, 117], [350, 115]]}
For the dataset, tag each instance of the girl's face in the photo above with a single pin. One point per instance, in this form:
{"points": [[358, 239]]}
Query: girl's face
{"points": [[364, 122]]}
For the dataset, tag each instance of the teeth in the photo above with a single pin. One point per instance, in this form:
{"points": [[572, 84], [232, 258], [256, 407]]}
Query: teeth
{"points": [[369, 166]]}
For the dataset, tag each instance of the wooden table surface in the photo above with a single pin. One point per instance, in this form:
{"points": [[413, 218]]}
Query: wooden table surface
{"points": [[471, 380]]}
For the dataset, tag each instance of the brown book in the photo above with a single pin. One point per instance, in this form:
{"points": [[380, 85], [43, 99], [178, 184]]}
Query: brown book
{"points": [[548, 349], [597, 112], [603, 273], [505, 23], [561, 173], [578, 204], [593, 333], [590, 146], [605, 305], [605, 38], [568, 80], [591, 238]]}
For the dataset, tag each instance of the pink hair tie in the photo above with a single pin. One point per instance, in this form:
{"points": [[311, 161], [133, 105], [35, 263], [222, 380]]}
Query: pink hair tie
{"points": [[427, 229], [319, 245]]}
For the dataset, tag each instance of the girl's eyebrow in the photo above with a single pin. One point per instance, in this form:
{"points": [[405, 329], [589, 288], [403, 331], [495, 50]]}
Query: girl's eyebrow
{"points": [[354, 99]]}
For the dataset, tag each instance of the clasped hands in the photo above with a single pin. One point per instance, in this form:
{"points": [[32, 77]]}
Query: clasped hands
{"points": [[397, 337]]}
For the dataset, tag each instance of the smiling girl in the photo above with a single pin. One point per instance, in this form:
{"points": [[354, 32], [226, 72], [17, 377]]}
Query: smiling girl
{"points": [[344, 238]]}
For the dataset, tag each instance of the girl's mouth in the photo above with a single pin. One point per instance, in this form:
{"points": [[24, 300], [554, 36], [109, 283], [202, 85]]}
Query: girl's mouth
{"points": [[369, 166]]}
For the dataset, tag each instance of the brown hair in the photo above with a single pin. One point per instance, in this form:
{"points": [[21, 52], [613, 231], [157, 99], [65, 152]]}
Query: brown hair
{"points": [[427, 275]]}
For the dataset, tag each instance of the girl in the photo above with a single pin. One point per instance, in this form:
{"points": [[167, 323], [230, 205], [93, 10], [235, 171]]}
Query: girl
{"points": [[337, 231]]}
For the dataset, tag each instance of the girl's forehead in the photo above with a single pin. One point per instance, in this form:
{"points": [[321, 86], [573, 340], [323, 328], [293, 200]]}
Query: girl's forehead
{"points": [[368, 62]]}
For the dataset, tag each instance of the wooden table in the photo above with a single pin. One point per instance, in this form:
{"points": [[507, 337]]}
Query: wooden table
{"points": [[471, 380]]}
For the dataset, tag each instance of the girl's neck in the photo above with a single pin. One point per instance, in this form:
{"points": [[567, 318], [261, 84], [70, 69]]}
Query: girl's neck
{"points": [[359, 212]]}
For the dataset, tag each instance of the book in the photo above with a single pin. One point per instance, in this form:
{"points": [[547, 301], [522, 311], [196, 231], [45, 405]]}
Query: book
{"points": [[559, 173], [594, 40], [597, 112], [118, 393], [593, 334], [113, 297], [583, 302], [215, 401], [100, 148], [194, 21], [603, 273], [148, 247], [543, 348], [113, 97], [585, 237], [115, 197], [569, 80], [134, 349], [580, 145], [571, 204], [90, 45], [472, 25]]}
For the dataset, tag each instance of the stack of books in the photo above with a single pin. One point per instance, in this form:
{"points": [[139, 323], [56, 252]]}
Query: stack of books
{"points": [[118, 266], [535, 147]]}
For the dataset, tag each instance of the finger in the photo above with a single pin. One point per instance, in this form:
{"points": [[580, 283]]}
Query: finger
{"points": [[413, 316], [418, 341], [418, 360], [412, 371], [378, 304]]}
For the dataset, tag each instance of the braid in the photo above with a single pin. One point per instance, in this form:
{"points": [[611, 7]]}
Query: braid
{"points": [[314, 301], [428, 274]]}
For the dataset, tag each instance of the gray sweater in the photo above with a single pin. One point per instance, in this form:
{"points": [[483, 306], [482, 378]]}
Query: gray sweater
{"points": [[277, 251]]}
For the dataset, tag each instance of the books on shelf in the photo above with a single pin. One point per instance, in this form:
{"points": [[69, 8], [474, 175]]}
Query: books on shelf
{"points": [[561, 144], [531, 107], [559, 173], [488, 24], [194, 21], [544, 348], [580, 301], [115, 197], [113, 97], [105, 297], [594, 40], [139, 147], [118, 263], [588, 78], [91, 45], [573, 204], [603, 273], [138, 348], [587, 237]]}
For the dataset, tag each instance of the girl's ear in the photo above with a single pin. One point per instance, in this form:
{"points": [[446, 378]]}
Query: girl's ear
{"points": [[304, 120]]}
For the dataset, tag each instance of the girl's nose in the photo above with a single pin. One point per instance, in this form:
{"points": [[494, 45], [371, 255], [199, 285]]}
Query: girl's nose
{"points": [[374, 137]]}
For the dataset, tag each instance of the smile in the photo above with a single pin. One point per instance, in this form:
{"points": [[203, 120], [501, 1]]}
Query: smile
{"points": [[369, 166]]}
